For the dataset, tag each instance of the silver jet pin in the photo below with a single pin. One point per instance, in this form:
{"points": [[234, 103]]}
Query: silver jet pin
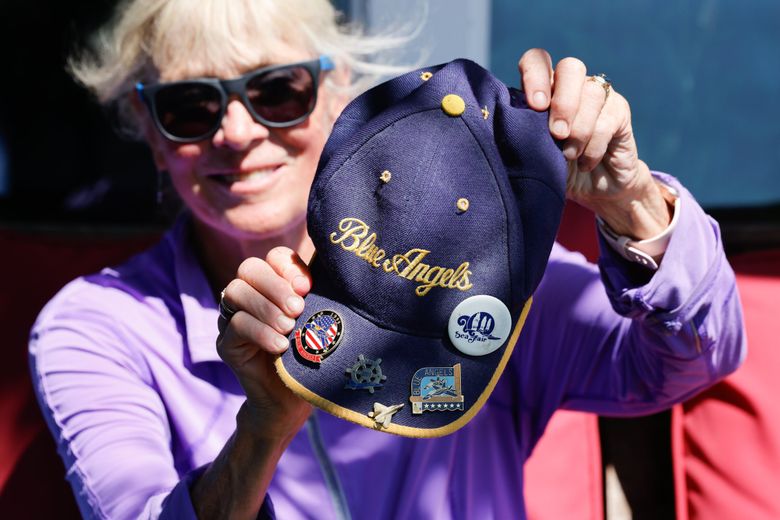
{"points": [[383, 415]]}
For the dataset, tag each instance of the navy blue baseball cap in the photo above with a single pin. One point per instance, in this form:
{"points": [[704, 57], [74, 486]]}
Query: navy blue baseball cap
{"points": [[433, 211]]}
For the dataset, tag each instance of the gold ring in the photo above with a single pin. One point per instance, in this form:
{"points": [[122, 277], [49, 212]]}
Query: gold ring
{"points": [[602, 80]]}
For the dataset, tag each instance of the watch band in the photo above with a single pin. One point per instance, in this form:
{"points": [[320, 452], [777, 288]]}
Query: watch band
{"points": [[645, 252]]}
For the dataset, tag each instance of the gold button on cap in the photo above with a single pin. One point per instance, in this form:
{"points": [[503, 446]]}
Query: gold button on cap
{"points": [[453, 105], [462, 204]]}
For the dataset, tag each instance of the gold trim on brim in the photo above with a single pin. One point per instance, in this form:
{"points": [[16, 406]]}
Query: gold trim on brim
{"points": [[407, 431]]}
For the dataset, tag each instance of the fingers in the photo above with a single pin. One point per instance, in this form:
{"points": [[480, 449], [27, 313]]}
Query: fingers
{"points": [[568, 81], [271, 284], [605, 129], [591, 103], [291, 267], [536, 70], [584, 116], [258, 326], [239, 294], [246, 338], [267, 296], [575, 103]]}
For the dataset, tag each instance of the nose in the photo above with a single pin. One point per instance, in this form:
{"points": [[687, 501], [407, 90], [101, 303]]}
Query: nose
{"points": [[238, 129]]}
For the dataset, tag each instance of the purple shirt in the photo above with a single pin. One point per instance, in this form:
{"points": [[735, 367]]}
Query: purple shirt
{"points": [[126, 371]]}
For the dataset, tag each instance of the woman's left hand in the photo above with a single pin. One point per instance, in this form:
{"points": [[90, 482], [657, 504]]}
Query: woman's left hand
{"points": [[593, 122]]}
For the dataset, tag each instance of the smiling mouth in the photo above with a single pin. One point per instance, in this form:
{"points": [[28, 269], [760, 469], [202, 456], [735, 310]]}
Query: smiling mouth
{"points": [[253, 176]]}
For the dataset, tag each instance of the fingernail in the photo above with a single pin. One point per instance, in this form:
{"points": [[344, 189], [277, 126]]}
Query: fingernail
{"points": [[560, 127], [540, 98], [300, 282], [295, 304], [285, 323], [280, 342], [570, 151]]}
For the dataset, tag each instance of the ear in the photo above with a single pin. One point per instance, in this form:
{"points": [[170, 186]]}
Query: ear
{"points": [[151, 135]]}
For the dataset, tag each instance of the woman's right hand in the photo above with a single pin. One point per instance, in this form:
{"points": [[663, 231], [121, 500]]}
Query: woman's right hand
{"points": [[267, 296]]}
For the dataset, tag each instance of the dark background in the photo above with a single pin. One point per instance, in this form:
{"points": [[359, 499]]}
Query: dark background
{"points": [[65, 165]]}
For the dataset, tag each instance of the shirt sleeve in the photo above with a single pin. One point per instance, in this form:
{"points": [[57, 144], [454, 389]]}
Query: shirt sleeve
{"points": [[628, 340], [109, 423]]}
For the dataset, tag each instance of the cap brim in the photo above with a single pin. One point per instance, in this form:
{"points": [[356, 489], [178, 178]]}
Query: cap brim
{"points": [[324, 384]]}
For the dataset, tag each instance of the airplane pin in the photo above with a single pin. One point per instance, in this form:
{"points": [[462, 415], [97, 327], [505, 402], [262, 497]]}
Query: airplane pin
{"points": [[383, 415]]}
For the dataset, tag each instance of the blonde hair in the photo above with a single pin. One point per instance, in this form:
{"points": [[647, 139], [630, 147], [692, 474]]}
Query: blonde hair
{"points": [[200, 37]]}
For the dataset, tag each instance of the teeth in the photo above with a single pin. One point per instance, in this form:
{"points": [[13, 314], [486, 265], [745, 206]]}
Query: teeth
{"points": [[251, 176]]}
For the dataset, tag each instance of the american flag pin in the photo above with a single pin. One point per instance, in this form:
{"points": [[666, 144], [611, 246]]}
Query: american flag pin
{"points": [[319, 336]]}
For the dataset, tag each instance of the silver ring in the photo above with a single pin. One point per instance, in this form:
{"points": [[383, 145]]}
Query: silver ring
{"points": [[602, 80], [225, 310]]}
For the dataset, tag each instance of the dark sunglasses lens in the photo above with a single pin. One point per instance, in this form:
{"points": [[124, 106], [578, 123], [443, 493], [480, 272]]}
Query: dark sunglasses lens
{"points": [[282, 95], [188, 110]]}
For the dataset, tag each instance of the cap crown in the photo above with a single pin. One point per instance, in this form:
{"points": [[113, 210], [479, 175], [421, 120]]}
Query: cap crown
{"points": [[400, 252]]}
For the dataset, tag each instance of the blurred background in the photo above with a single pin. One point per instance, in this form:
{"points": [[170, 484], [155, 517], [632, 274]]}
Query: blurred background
{"points": [[700, 76]]}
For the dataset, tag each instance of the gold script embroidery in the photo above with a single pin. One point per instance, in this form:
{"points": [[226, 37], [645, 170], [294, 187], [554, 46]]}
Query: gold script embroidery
{"points": [[354, 237]]}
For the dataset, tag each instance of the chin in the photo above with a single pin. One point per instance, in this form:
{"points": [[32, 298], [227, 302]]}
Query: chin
{"points": [[261, 225]]}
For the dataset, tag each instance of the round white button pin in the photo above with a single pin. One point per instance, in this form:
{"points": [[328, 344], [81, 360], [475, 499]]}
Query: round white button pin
{"points": [[479, 325]]}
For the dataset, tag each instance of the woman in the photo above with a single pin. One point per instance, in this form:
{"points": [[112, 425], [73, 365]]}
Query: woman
{"points": [[151, 423]]}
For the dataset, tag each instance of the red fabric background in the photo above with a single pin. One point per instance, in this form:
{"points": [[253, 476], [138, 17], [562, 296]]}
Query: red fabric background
{"points": [[727, 439], [35, 266]]}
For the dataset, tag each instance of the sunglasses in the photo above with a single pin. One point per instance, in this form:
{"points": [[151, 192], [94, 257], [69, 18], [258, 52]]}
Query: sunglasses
{"points": [[278, 96]]}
